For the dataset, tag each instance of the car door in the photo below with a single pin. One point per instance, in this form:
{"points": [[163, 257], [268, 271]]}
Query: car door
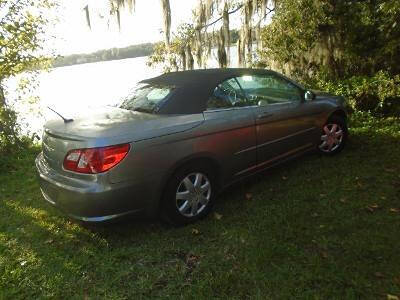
{"points": [[231, 128], [283, 123]]}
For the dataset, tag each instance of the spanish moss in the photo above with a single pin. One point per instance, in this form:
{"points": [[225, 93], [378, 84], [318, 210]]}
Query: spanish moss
{"points": [[87, 14], [166, 11]]}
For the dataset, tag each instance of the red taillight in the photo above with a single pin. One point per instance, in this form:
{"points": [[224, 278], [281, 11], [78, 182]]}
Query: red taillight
{"points": [[95, 160]]}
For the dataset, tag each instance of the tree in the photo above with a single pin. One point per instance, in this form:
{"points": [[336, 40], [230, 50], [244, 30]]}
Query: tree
{"points": [[177, 55], [211, 28], [253, 13], [336, 39], [22, 37]]}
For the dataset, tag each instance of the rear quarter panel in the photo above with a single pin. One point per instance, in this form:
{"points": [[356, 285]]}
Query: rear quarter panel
{"points": [[153, 161]]}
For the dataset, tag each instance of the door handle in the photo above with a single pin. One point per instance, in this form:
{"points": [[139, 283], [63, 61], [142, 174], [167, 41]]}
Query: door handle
{"points": [[264, 115]]}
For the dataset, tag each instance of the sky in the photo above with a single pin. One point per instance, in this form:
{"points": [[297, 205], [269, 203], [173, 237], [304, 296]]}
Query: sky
{"points": [[144, 25]]}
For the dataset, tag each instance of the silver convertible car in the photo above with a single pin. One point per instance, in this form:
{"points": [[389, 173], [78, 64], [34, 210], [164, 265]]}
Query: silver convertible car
{"points": [[171, 145]]}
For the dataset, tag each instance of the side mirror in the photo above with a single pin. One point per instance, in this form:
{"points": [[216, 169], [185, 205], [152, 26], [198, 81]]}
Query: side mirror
{"points": [[309, 96], [262, 103]]}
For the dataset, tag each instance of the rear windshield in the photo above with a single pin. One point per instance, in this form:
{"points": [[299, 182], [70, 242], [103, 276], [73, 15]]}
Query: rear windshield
{"points": [[146, 98]]}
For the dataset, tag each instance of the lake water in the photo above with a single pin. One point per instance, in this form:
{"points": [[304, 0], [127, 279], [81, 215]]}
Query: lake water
{"points": [[80, 88]]}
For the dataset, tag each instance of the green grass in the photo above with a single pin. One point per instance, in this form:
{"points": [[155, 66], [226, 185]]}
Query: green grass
{"points": [[318, 227]]}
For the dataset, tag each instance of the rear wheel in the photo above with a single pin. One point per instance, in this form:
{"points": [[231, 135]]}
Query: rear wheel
{"points": [[333, 136], [189, 195]]}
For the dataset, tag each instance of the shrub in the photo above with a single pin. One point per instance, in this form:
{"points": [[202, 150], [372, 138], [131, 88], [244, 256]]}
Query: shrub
{"points": [[8, 129], [379, 94]]}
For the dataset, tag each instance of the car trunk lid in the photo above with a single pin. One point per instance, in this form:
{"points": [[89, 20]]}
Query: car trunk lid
{"points": [[108, 126]]}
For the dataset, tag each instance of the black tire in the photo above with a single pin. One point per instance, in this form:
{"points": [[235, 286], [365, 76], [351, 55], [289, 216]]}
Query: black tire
{"points": [[169, 205], [340, 122]]}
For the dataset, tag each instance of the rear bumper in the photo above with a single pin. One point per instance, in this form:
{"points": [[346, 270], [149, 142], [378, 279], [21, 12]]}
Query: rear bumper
{"points": [[93, 200]]}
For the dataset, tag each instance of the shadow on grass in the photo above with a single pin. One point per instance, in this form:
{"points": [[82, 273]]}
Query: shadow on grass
{"points": [[360, 152], [302, 225]]}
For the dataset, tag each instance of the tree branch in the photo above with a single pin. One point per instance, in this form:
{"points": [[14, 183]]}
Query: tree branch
{"points": [[266, 14], [232, 12], [219, 19], [13, 5]]}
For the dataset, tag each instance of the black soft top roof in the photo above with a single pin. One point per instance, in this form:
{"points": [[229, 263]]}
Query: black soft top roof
{"points": [[193, 88]]}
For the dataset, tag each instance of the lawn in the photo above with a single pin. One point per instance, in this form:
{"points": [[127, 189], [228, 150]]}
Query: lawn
{"points": [[318, 227]]}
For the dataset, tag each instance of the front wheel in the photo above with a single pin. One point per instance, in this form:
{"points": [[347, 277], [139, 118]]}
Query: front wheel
{"points": [[334, 136], [189, 195]]}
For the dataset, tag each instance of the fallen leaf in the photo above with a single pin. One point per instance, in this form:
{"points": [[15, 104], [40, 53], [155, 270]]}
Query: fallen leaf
{"points": [[379, 275], [49, 241], [322, 195], [395, 210], [392, 297], [192, 260], [343, 200], [195, 231], [284, 177], [248, 196], [217, 216], [372, 207]]}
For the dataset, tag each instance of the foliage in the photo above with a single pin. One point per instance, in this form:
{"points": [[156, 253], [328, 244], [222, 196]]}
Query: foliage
{"points": [[316, 228], [178, 54], [8, 128], [180, 49], [336, 39], [210, 27], [22, 37], [349, 47], [379, 94]]}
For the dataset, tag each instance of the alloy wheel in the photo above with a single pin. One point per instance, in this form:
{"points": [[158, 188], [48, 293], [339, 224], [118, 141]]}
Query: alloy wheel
{"points": [[332, 138], [193, 194]]}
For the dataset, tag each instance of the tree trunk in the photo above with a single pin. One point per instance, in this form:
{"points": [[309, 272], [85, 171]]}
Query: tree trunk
{"points": [[222, 58], [227, 34], [166, 12], [2, 96], [189, 58], [183, 59], [248, 41], [239, 52], [2, 105]]}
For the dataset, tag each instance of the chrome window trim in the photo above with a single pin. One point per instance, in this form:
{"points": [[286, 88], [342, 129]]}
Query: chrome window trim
{"points": [[230, 108]]}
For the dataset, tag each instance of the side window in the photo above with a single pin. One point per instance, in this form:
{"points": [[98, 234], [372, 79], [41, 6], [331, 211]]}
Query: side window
{"points": [[269, 89], [226, 95]]}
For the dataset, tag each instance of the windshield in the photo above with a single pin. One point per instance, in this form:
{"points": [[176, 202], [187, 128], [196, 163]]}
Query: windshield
{"points": [[146, 98]]}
